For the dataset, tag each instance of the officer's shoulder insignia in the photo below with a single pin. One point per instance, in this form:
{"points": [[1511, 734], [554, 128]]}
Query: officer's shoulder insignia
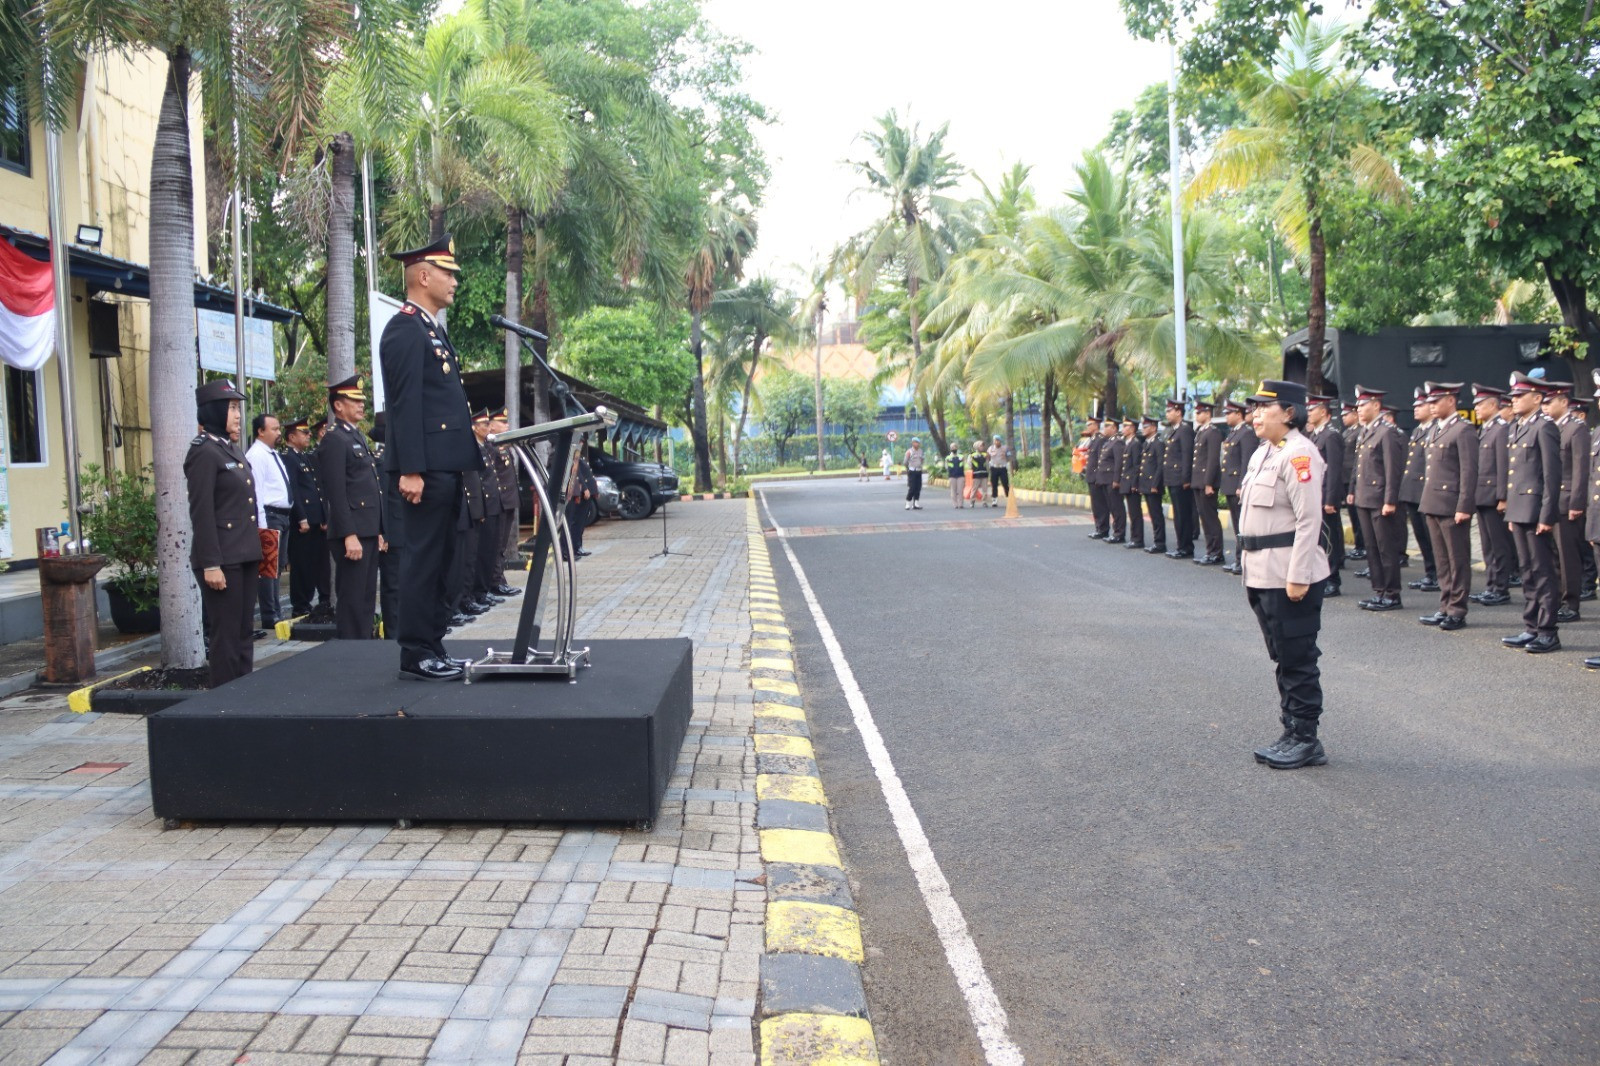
{"points": [[1302, 466], [408, 310], [201, 439]]}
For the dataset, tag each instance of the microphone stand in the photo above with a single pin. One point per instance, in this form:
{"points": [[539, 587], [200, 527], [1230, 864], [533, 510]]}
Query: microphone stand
{"points": [[664, 549]]}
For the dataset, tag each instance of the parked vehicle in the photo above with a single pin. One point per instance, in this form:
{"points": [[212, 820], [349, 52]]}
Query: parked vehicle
{"points": [[609, 497], [642, 486]]}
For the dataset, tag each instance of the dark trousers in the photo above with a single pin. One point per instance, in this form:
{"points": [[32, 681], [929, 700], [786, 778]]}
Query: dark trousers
{"points": [[1452, 552], [1419, 526], [1385, 535], [491, 549], [1158, 519], [913, 486], [1205, 504], [1333, 535], [1540, 594], [1183, 525], [270, 591], [355, 589], [462, 567], [1569, 557], [1290, 630], [1135, 518], [1117, 512], [999, 478], [1499, 555], [1099, 508], [309, 569], [230, 618], [1355, 527], [1233, 523], [430, 548]]}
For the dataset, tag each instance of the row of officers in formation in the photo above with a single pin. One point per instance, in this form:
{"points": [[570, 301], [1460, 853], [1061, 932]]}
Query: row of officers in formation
{"points": [[322, 497], [1525, 472]]}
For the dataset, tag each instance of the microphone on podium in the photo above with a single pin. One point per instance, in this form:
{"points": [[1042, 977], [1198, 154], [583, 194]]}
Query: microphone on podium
{"points": [[514, 327]]}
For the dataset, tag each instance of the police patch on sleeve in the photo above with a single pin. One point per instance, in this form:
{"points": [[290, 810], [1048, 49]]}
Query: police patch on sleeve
{"points": [[1302, 467]]}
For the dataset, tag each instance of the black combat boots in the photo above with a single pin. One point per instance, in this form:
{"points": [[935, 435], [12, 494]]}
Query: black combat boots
{"points": [[1302, 748]]}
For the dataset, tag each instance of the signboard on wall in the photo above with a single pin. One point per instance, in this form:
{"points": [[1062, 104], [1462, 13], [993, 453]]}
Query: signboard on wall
{"points": [[218, 352]]}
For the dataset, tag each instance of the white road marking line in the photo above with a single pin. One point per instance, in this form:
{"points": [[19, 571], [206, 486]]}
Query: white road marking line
{"points": [[983, 1005]]}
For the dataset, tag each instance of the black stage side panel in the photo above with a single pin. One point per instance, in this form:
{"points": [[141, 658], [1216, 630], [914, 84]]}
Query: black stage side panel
{"points": [[331, 734]]}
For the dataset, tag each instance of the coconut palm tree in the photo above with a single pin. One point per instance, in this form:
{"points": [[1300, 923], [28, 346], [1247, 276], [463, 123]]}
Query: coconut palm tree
{"points": [[1312, 117], [756, 313], [724, 237]]}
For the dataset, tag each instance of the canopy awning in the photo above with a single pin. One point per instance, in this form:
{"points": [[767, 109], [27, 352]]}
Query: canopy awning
{"points": [[107, 273]]}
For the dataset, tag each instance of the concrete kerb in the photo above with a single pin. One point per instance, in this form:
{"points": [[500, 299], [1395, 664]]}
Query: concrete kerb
{"points": [[813, 1005]]}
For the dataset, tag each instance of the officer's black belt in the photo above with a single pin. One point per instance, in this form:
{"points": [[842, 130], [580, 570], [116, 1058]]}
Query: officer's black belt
{"points": [[1267, 540], [277, 510]]}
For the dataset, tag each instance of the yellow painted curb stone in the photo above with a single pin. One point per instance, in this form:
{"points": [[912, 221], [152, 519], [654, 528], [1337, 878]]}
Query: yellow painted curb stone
{"points": [[796, 787], [803, 846], [772, 663], [771, 644], [784, 744], [787, 688], [780, 710], [805, 928], [81, 700]]}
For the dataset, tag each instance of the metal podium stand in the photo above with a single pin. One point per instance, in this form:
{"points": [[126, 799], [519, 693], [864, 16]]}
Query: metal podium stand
{"points": [[526, 657]]}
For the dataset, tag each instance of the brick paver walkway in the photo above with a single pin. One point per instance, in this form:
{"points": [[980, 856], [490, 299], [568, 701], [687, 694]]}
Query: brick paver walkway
{"points": [[122, 943]]}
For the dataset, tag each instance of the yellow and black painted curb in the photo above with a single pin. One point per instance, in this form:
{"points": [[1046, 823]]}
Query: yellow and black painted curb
{"points": [[81, 700], [689, 497], [813, 1004]]}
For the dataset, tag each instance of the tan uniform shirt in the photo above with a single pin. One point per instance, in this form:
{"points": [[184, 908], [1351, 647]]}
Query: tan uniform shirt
{"points": [[1282, 493]]}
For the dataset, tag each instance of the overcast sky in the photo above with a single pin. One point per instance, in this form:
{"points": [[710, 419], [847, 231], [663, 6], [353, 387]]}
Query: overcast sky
{"points": [[1018, 80]]}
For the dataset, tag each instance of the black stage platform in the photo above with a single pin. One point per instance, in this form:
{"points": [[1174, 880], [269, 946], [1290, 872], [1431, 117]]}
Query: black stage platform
{"points": [[332, 734]]}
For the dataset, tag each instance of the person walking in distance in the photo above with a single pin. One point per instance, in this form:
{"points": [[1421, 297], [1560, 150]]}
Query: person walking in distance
{"points": [[914, 475], [1532, 508], [1449, 490], [956, 470], [226, 550], [429, 447], [886, 460], [1499, 556], [999, 470], [1286, 568]]}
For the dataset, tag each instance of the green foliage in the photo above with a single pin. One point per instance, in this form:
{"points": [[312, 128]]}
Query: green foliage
{"points": [[1228, 33], [851, 410], [119, 519], [629, 353], [788, 405]]}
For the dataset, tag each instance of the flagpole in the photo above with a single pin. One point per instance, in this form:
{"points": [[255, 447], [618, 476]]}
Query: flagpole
{"points": [[1180, 303], [59, 266]]}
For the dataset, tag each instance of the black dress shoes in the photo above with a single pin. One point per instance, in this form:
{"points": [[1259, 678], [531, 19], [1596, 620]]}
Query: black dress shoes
{"points": [[1135, 544], [1116, 540], [1586, 594], [1452, 623], [1359, 553], [1541, 644], [1383, 603], [1366, 572], [1567, 614], [1433, 619], [584, 553], [1521, 640], [1427, 584], [1156, 549], [430, 670], [1491, 599], [1515, 582], [1330, 591], [1209, 560], [1593, 664], [1101, 536], [1184, 554], [458, 620], [506, 590]]}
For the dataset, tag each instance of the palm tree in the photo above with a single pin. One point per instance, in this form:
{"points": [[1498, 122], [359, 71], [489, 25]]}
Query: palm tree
{"points": [[231, 46], [754, 314], [910, 173], [725, 236], [1312, 118], [808, 321]]}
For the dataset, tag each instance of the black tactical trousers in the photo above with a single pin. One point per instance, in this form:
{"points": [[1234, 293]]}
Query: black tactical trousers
{"points": [[1499, 554], [1135, 518], [1205, 504], [1290, 630], [913, 486], [1158, 519], [1540, 592], [230, 618], [355, 589]]}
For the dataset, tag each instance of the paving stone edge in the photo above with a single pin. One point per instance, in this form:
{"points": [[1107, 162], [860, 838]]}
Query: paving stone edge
{"points": [[813, 1004]]}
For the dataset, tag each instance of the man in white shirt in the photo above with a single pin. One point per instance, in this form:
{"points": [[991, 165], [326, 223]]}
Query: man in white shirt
{"points": [[272, 506]]}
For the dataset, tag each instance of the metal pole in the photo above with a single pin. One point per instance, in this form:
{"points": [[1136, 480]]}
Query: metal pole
{"points": [[822, 434], [63, 293], [238, 286], [1180, 304]]}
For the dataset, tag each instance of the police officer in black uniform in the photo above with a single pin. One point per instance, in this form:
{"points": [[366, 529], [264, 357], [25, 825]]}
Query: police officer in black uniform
{"points": [[349, 475], [1150, 484], [226, 550], [308, 522], [1177, 467], [1237, 447], [505, 470], [462, 580], [429, 446]]}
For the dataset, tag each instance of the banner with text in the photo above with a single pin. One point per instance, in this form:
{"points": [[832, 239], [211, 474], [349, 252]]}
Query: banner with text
{"points": [[218, 352]]}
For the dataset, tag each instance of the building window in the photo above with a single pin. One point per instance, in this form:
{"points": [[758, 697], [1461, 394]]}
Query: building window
{"points": [[14, 131], [24, 417]]}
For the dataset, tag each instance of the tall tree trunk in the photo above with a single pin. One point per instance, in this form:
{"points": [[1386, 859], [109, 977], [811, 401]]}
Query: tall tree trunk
{"points": [[172, 365], [1047, 410], [744, 403], [722, 445], [1113, 404], [435, 221], [822, 432], [1572, 297], [1011, 423], [342, 259], [513, 311], [702, 443], [1317, 315]]}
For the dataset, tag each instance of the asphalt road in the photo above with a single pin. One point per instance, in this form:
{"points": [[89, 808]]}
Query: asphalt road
{"points": [[1073, 724]]}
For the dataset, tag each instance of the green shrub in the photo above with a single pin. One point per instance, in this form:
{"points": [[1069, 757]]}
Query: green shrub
{"points": [[119, 520]]}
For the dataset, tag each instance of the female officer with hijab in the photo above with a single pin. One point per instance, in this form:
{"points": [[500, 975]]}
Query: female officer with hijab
{"points": [[226, 551]]}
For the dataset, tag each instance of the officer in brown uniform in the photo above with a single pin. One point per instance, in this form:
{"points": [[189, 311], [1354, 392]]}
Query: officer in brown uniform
{"points": [[1532, 507], [1150, 483], [1449, 496], [1411, 490], [1177, 467], [1592, 512], [505, 470], [1285, 566], [1205, 476], [1557, 406], [1098, 505], [226, 550], [1352, 430], [1499, 557], [1376, 493], [1237, 448], [1329, 441], [348, 472], [1110, 463], [1127, 483]]}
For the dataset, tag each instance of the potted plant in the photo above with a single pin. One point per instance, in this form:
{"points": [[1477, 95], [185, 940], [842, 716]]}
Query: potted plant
{"points": [[119, 521]]}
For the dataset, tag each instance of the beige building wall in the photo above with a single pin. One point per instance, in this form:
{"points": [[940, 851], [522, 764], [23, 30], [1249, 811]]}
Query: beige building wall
{"points": [[105, 164]]}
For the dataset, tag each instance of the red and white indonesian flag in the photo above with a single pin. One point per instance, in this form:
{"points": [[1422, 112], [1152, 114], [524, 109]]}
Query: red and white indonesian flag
{"points": [[27, 310]]}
